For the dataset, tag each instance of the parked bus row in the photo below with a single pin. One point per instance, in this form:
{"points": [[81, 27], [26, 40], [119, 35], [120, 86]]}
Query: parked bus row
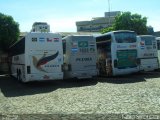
{"points": [[121, 52], [46, 56]]}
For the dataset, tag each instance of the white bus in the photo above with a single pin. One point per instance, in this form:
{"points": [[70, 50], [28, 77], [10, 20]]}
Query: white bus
{"points": [[147, 52], [117, 53], [79, 56], [158, 47], [37, 57]]}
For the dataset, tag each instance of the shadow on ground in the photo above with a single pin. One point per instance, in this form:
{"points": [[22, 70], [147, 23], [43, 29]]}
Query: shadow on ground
{"points": [[120, 80], [12, 88], [131, 78]]}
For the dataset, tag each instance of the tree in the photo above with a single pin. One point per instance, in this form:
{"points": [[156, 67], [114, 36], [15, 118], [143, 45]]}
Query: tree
{"points": [[105, 30], [128, 21], [9, 31]]}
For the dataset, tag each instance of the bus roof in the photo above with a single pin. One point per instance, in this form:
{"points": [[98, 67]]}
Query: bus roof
{"points": [[157, 38], [76, 36], [118, 31], [17, 42], [146, 36], [28, 34], [122, 31]]}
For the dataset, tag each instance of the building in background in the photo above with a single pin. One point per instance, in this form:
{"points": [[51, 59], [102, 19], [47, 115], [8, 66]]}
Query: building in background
{"points": [[150, 30], [40, 27], [98, 23], [157, 34]]}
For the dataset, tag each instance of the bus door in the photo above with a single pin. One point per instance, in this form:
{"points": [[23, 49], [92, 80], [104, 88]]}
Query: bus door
{"points": [[104, 58]]}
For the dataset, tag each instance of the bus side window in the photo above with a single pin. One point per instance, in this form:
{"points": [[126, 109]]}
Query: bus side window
{"points": [[104, 38], [158, 44], [64, 46]]}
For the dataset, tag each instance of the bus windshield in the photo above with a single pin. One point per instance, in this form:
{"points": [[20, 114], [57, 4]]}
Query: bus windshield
{"points": [[148, 40], [125, 37]]}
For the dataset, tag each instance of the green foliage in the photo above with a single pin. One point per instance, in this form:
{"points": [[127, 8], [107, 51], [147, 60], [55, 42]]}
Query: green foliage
{"points": [[9, 31], [109, 29], [128, 21]]}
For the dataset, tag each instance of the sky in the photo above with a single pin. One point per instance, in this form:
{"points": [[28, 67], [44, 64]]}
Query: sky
{"points": [[62, 15]]}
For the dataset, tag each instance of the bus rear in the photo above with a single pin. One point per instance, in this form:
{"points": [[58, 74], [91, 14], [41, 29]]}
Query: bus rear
{"points": [[80, 57], [124, 52], [147, 52], [43, 56]]}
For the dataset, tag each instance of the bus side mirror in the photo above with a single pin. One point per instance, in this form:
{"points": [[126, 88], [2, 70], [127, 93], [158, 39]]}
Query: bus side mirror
{"points": [[115, 63]]}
